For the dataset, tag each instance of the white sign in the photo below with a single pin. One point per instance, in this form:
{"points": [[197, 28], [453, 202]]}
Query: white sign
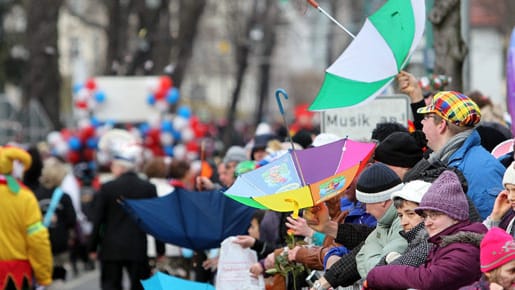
{"points": [[359, 121], [126, 98]]}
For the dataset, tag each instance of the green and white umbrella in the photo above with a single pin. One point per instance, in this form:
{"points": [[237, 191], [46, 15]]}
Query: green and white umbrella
{"points": [[372, 60]]}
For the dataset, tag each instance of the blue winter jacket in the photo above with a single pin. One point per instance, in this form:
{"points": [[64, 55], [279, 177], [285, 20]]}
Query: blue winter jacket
{"points": [[483, 172]]}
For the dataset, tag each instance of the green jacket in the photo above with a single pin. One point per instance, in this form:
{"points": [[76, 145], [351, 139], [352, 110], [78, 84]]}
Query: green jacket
{"points": [[381, 241]]}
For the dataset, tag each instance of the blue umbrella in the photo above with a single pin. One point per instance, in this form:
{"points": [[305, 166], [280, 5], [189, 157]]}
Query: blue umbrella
{"points": [[161, 281], [190, 219]]}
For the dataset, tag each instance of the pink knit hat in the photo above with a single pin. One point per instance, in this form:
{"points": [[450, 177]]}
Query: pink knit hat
{"points": [[497, 249]]}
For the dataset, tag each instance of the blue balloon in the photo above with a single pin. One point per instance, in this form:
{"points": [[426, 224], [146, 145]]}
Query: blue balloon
{"points": [[74, 143], [92, 143], [168, 150], [176, 135], [110, 122], [144, 128], [100, 97], [151, 99], [172, 96], [184, 111], [94, 122], [76, 88], [92, 165], [166, 126]]}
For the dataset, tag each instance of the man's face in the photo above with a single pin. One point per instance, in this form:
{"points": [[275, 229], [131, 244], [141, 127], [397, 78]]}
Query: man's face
{"points": [[226, 175], [409, 218], [376, 209], [431, 125]]}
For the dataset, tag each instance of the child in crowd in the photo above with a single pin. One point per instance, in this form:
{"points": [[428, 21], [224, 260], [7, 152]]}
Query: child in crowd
{"points": [[503, 214], [497, 261]]}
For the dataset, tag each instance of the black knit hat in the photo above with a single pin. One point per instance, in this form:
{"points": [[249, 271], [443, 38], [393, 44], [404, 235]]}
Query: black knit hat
{"points": [[376, 184], [398, 149]]}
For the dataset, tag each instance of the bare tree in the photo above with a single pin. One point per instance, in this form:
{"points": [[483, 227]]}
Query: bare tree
{"points": [[450, 48], [239, 32], [270, 19], [44, 81], [189, 17]]}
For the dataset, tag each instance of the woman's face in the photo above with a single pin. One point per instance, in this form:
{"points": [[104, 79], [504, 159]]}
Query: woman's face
{"points": [[409, 218], [436, 221], [504, 275], [254, 229]]}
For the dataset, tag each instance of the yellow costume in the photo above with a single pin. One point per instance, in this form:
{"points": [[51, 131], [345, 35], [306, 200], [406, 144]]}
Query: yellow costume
{"points": [[24, 241]]}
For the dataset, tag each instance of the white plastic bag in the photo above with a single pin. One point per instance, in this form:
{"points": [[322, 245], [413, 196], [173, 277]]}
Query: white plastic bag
{"points": [[233, 268]]}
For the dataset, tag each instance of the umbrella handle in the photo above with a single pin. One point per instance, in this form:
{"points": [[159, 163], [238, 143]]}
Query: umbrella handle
{"points": [[295, 203], [278, 94], [313, 3]]}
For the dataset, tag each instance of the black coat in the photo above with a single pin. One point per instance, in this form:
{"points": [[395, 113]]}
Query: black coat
{"points": [[115, 234], [66, 218]]}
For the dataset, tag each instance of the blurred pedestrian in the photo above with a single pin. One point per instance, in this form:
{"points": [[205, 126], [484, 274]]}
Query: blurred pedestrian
{"points": [[121, 243], [59, 215]]}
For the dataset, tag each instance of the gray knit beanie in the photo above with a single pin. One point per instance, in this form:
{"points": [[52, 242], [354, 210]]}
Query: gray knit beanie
{"points": [[376, 184], [446, 195]]}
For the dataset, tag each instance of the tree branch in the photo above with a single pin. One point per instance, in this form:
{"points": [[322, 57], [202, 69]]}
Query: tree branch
{"points": [[85, 19]]}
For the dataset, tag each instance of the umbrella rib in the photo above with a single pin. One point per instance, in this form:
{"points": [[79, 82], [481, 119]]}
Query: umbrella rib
{"points": [[344, 148]]}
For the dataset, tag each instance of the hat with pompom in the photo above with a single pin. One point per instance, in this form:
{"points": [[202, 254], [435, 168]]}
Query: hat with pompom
{"points": [[446, 195]]}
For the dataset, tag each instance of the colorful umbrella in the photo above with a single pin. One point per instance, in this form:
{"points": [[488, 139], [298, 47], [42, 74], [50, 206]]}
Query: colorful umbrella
{"points": [[377, 54], [510, 80], [161, 281], [190, 219], [302, 178]]}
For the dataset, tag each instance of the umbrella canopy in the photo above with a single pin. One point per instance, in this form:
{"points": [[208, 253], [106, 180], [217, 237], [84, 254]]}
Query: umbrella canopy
{"points": [[302, 178], [195, 220], [380, 50], [502, 148], [510, 80], [161, 281]]}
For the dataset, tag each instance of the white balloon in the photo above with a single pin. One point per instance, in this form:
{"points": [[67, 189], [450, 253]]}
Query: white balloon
{"points": [[179, 151], [152, 84], [154, 121], [179, 123], [54, 137], [61, 148], [84, 123], [162, 106], [192, 156], [166, 138], [187, 134]]}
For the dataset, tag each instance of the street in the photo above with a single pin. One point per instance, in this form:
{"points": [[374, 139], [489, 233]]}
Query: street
{"points": [[85, 281]]}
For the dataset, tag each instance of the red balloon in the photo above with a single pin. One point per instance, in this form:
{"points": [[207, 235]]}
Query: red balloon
{"points": [[192, 146], [73, 157], [160, 94], [91, 84], [165, 83], [66, 134], [86, 133], [89, 154], [81, 104]]}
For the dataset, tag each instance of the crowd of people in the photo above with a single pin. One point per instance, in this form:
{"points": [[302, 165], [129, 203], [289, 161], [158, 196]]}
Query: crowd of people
{"points": [[433, 209]]}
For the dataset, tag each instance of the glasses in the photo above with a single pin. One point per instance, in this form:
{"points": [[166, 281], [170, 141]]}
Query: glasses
{"points": [[427, 116], [432, 215]]}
